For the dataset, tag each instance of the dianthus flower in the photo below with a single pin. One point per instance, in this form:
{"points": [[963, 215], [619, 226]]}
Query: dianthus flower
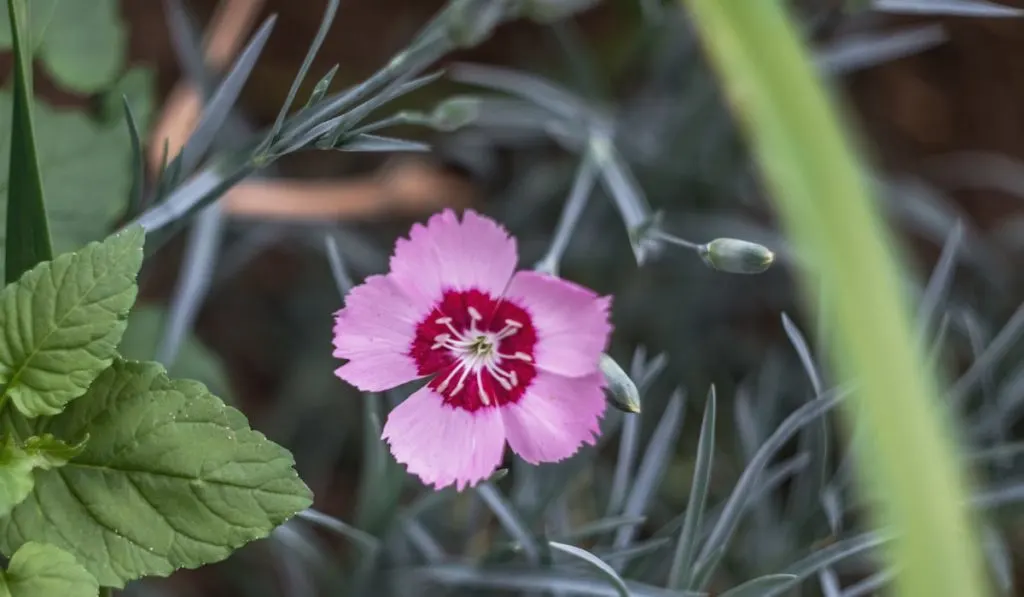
{"points": [[509, 356]]}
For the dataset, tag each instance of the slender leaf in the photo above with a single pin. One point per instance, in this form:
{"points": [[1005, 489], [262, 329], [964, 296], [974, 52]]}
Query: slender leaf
{"points": [[941, 279], [960, 8], [686, 547], [368, 143], [365, 541], [509, 519], [613, 577], [652, 467], [216, 110], [759, 587], [739, 499], [457, 575], [801, 145], [28, 231], [321, 34], [135, 196], [193, 283]]}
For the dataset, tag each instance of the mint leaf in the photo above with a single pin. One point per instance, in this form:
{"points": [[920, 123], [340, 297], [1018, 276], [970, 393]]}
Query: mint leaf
{"points": [[60, 323], [38, 570], [18, 462], [171, 478], [82, 44]]}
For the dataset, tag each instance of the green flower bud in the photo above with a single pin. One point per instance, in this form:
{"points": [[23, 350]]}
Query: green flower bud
{"points": [[455, 113], [736, 256], [622, 392]]}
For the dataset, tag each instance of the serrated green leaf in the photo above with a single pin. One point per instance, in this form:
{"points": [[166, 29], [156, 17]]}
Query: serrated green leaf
{"points": [[86, 172], [172, 478], [61, 322], [82, 44], [17, 463], [194, 361], [39, 570]]}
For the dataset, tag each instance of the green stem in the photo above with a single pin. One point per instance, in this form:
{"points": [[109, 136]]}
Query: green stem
{"points": [[908, 460]]}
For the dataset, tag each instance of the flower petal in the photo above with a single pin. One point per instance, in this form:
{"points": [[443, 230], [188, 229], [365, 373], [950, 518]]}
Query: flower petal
{"points": [[571, 322], [449, 254], [555, 417], [374, 332], [443, 445]]}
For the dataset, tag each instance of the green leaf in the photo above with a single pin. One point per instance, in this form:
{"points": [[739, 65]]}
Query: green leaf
{"points": [[194, 361], [61, 322], [18, 462], [138, 84], [171, 478], [86, 169], [82, 44], [39, 570], [28, 234]]}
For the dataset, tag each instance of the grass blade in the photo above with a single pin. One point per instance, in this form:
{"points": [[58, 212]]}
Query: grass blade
{"points": [[28, 231], [456, 575], [960, 8], [652, 467], [998, 347], [601, 526], [135, 196], [223, 99], [325, 24], [760, 586], [938, 284], [613, 577], [737, 503], [365, 541], [814, 440], [681, 573], [828, 556], [509, 519], [375, 143], [819, 186]]}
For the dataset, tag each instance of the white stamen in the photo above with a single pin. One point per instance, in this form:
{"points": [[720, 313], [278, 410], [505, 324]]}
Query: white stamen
{"points": [[477, 352]]}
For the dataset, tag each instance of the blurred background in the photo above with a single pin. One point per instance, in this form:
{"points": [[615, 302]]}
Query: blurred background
{"points": [[242, 297]]}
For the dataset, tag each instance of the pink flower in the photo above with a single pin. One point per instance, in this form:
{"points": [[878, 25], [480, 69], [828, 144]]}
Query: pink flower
{"points": [[509, 356]]}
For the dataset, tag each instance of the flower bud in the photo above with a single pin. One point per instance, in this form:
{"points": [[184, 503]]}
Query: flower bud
{"points": [[736, 256], [455, 113], [622, 392]]}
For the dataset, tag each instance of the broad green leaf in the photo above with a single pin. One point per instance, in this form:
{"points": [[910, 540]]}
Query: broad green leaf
{"points": [[18, 462], [194, 361], [86, 169], [82, 44], [61, 322], [39, 570], [28, 234], [171, 478]]}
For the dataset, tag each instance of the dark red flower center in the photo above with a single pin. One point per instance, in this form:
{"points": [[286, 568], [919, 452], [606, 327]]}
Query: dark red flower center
{"points": [[479, 350]]}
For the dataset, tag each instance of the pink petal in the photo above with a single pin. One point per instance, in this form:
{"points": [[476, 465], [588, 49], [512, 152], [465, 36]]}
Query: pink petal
{"points": [[374, 332], [571, 322], [555, 417], [448, 254], [443, 445]]}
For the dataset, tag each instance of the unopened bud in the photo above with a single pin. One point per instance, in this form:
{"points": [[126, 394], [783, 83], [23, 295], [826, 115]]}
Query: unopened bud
{"points": [[736, 256], [622, 392], [455, 113]]}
